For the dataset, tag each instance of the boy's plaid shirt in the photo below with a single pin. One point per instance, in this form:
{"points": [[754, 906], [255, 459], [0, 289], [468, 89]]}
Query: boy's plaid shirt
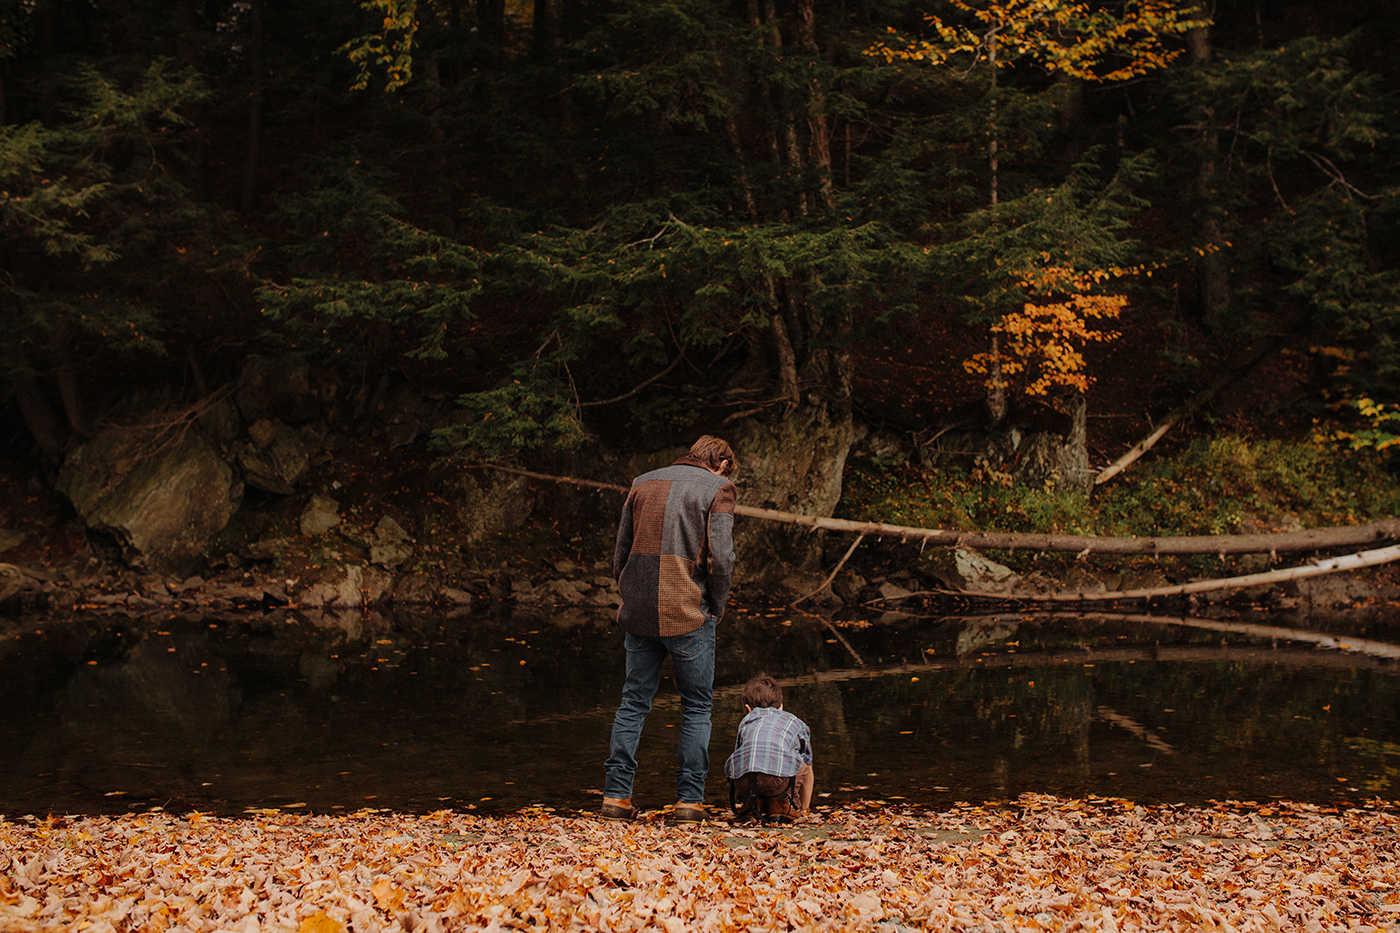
{"points": [[771, 741]]}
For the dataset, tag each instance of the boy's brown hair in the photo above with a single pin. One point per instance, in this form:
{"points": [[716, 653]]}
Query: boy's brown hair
{"points": [[713, 452], [763, 691]]}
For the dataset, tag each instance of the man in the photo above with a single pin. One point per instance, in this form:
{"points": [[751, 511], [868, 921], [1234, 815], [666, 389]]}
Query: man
{"points": [[673, 564]]}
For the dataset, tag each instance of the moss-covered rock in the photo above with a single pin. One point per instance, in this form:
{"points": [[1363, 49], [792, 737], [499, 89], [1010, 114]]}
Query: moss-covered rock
{"points": [[162, 495], [794, 465]]}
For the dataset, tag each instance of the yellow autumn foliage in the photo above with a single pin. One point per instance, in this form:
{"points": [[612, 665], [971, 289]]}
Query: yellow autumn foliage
{"points": [[1045, 337], [1066, 36]]}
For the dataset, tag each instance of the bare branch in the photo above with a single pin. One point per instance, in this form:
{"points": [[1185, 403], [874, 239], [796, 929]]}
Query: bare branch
{"points": [[839, 564], [626, 395], [1326, 166], [1269, 161]]}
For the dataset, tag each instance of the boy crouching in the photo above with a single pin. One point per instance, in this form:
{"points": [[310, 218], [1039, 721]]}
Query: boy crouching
{"points": [[770, 773]]}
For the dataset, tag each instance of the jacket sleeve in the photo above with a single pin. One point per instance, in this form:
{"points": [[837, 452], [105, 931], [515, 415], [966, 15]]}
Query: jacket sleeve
{"points": [[623, 549], [721, 547]]}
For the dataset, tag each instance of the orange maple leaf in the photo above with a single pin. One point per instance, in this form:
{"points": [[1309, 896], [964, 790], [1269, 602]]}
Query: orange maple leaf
{"points": [[320, 922], [386, 895]]}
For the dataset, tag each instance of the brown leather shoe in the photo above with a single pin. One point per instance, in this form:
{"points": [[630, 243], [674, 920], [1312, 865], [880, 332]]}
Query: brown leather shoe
{"points": [[622, 810], [776, 807], [689, 813]]}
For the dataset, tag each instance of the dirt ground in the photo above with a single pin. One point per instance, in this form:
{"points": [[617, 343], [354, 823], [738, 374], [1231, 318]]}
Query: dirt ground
{"points": [[1043, 864]]}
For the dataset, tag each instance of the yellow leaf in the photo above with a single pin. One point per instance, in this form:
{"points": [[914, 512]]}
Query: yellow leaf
{"points": [[321, 923], [386, 895]]}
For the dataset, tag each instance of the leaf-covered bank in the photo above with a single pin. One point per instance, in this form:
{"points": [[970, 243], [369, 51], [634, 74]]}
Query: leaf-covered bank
{"points": [[1046, 864]]}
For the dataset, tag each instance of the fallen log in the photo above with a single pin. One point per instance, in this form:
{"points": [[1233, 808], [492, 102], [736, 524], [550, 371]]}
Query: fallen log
{"points": [[1316, 539], [1332, 565], [1313, 539], [1376, 649]]}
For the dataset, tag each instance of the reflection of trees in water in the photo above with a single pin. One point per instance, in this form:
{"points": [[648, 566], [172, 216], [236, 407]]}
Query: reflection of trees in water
{"points": [[437, 707], [1386, 758], [1010, 702], [823, 708], [115, 722]]}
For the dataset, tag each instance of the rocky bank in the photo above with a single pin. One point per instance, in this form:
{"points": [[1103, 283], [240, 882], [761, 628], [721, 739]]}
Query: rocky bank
{"points": [[287, 490]]}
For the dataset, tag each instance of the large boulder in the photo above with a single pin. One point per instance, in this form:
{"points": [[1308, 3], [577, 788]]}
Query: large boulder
{"points": [[493, 502], [391, 545], [163, 494], [349, 587], [221, 422], [276, 460], [405, 416], [10, 538], [966, 570], [793, 466], [15, 580], [321, 514]]}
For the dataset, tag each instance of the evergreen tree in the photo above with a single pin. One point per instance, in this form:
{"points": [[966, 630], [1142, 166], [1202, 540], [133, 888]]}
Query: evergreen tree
{"points": [[1301, 198]]}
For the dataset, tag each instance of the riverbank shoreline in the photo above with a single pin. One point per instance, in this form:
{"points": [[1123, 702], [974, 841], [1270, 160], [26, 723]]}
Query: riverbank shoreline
{"points": [[1043, 863], [36, 591]]}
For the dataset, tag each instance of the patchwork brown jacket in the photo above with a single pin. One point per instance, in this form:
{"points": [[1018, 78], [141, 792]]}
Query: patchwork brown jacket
{"points": [[675, 550]]}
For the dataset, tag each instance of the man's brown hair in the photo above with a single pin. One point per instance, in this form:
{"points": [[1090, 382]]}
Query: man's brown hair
{"points": [[762, 691], [713, 452]]}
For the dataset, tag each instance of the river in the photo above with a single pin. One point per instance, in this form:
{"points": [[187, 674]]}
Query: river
{"points": [[497, 712]]}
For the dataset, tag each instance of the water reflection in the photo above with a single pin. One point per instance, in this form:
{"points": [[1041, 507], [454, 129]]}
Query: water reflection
{"points": [[423, 712]]}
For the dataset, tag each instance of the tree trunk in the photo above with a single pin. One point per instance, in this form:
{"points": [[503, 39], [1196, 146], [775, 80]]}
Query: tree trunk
{"points": [[996, 387], [67, 385], [38, 416], [992, 120], [201, 385], [819, 144], [186, 46], [765, 103], [1373, 558], [573, 20], [1059, 458], [787, 365], [736, 145], [1212, 276], [491, 22], [787, 125], [255, 110], [1072, 117], [544, 39]]}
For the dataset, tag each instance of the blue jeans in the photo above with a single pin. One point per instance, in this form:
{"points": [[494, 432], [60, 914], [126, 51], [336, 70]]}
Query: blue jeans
{"points": [[693, 658]]}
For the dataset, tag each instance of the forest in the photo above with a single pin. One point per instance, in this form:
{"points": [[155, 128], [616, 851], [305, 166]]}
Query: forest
{"points": [[1011, 237]]}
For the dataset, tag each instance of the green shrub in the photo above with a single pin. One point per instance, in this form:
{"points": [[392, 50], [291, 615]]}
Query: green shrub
{"points": [[1222, 486]]}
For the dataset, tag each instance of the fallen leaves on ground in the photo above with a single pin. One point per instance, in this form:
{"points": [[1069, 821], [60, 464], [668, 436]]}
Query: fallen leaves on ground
{"points": [[1042, 864]]}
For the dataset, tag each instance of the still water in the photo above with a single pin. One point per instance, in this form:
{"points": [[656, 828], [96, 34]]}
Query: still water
{"points": [[108, 714]]}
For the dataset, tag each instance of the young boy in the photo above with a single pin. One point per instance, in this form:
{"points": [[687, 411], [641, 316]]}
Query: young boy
{"points": [[770, 772]]}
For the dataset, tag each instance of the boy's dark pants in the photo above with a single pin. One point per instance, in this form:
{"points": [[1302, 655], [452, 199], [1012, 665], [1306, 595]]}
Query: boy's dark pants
{"points": [[762, 795]]}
